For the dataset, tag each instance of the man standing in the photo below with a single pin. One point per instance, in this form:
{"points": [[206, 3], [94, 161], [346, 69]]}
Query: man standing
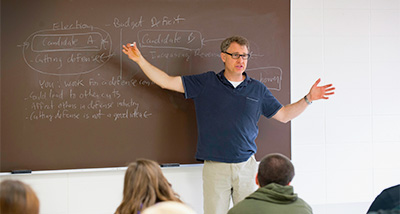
{"points": [[275, 195], [228, 106]]}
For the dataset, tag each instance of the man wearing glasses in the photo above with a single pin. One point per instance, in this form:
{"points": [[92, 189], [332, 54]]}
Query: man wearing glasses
{"points": [[228, 106]]}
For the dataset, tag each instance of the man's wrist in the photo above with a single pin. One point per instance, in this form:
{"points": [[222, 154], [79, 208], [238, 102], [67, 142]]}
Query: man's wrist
{"points": [[307, 100]]}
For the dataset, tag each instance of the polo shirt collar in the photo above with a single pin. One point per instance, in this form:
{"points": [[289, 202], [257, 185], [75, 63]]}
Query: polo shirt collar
{"points": [[225, 81]]}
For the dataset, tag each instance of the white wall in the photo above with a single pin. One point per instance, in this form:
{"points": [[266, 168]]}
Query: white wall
{"points": [[345, 150]]}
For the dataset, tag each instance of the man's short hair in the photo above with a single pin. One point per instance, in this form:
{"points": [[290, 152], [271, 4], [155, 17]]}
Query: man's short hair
{"points": [[238, 39], [275, 168]]}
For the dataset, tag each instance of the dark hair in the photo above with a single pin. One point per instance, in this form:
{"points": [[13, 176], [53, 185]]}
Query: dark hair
{"points": [[275, 168], [144, 186], [238, 39], [17, 197]]}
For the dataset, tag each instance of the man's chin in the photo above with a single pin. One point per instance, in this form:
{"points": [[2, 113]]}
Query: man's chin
{"points": [[240, 70]]}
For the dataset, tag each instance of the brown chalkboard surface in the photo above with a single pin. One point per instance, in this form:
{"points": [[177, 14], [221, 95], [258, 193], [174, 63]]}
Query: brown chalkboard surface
{"points": [[71, 99]]}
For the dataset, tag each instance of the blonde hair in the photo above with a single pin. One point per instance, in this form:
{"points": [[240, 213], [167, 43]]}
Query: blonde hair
{"points": [[17, 197], [144, 186], [169, 207]]}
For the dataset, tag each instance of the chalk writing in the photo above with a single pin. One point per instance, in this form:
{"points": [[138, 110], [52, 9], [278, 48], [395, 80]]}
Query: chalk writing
{"points": [[45, 84], [128, 23], [270, 76], [166, 21], [67, 42], [131, 114], [71, 26], [201, 54], [174, 39], [169, 55], [74, 83], [139, 22], [67, 49], [91, 99]]}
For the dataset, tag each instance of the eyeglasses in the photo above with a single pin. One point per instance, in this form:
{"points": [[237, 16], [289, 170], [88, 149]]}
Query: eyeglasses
{"points": [[236, 55]]}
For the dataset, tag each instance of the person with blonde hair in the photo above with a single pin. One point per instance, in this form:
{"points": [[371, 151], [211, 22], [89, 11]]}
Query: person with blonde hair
{"points": [[17, 197], [169, 207], [144, 185]]}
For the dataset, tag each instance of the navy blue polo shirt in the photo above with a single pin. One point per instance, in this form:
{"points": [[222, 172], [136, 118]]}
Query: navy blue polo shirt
{"points": [[227, 117]]}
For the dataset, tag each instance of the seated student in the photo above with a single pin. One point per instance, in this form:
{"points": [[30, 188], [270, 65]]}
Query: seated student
{"points": [[275, 195], [169, 207], [144, 186], [388, 201], [17, 197]]}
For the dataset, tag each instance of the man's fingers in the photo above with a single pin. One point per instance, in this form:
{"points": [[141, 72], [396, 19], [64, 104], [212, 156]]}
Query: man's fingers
{"points": [[125, 48], [317, 82], [329, 89]]}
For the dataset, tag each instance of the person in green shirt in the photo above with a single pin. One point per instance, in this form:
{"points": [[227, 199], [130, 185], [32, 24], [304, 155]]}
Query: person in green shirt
{"points": [[275, 195]]}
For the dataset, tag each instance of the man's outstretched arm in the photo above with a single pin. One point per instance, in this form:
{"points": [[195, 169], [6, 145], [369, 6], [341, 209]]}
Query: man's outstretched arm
{"points": [[156, 75], [289, 112]]}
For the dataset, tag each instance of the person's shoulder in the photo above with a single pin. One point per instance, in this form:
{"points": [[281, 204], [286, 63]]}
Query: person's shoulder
{"points": [[305, 205], [211, 73], [238, 208], [248, 205], [204, 74], [395, 188], [258, 86]]}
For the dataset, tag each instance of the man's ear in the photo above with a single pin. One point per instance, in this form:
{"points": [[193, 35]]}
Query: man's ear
{"points": [[223, 57], [258, 184]]}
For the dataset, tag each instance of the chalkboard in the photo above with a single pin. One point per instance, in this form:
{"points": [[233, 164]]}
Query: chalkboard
{"points": [[71, 99]]}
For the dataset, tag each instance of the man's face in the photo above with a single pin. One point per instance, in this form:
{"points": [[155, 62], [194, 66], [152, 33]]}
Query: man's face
{"points": [[235, 66]]}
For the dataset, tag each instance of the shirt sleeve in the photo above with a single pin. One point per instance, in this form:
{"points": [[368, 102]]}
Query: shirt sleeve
{"points": [[194, 84], [270, 105]]}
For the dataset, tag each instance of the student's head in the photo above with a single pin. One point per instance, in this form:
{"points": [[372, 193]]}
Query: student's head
{"points": [[169, 207], [17, 197], [144, 186], [275, 168]]}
